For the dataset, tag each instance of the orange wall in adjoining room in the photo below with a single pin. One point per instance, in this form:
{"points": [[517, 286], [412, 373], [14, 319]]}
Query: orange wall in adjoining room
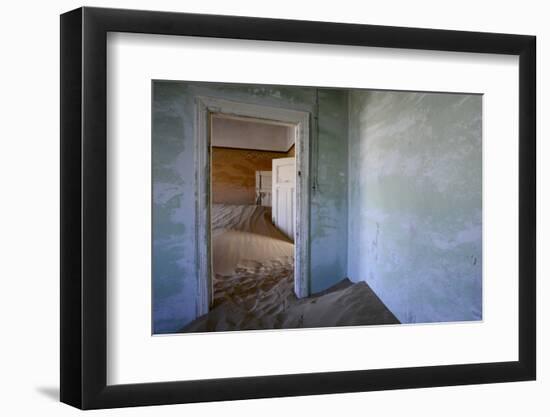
{"points": [[234, 173]]}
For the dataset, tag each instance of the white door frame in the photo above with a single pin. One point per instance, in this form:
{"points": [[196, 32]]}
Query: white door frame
{"points": [[204, 107]]}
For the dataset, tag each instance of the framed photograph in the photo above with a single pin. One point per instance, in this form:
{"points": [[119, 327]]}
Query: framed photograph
{"points": [[256, 208]]}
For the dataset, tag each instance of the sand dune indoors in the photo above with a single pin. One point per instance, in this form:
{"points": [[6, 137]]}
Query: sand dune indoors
{"points": [[244, 234], [254, 279]]}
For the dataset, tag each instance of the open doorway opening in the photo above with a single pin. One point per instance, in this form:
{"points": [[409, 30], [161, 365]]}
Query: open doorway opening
{"points": [[252, 214], [253, 209]]}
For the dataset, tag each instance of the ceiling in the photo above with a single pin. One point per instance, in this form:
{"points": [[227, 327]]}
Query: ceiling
{"points": [[246, 133]]}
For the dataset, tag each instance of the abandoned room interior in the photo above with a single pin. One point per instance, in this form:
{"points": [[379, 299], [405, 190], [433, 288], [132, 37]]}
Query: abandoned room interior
{"points": [[281, 207]]}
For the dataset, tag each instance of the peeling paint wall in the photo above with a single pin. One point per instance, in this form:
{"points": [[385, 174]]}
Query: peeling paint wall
{"points": [[173, 227], [415, 199], [174, 188], [329, 199]]}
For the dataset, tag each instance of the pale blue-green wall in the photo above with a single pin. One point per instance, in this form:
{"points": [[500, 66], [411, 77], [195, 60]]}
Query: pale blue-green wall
{"points": [[174, 188], [415, 209], [329, 197]]}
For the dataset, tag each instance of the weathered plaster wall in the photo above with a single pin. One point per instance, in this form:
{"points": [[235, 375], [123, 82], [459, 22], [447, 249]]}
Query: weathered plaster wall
{"points": [[234, 173], [329, 198], [173, 216], [174, 187], [415, 202]]}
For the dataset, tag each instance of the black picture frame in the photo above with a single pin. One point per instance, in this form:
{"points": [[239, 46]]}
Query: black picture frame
{"points": [[84, 207]]}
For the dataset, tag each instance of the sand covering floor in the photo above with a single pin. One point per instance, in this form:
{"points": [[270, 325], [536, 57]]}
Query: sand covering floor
{"points": [[254, 281]]}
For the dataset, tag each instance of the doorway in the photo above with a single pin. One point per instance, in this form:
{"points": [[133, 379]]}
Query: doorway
{"points": [[288, 196]]}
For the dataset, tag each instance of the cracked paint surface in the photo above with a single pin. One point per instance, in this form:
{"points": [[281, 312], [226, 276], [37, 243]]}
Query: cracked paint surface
{"points": [[329, 199], [415, 202]]}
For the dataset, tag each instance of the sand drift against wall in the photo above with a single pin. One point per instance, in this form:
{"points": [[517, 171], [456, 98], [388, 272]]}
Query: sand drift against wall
{"points": [[254, 281]]}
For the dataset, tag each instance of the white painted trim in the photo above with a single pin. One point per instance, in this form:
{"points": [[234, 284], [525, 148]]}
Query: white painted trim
{"points": [[205, 106], [202, 197], [290, 139]]}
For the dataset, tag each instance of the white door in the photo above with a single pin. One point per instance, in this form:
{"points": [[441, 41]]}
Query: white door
{"points": [[283, 196], [263, 188]]}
